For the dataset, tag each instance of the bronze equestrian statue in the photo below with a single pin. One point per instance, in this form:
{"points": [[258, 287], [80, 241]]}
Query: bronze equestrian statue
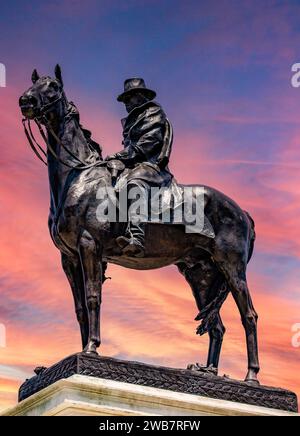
{"points": [[213, 266]]}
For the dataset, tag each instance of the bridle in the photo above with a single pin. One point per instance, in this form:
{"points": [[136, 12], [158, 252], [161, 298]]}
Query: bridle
{"points": [[39, 151]]}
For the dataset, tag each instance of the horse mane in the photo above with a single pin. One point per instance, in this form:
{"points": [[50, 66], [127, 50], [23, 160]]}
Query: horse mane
{"points": [[73, 112]]}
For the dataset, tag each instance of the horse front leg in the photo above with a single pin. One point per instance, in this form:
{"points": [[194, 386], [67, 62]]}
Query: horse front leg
{"points": [[92, 272], [72, 268]]}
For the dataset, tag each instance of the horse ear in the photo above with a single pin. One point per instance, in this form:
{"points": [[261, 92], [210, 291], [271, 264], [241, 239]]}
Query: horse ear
{"points": [[35, 76], [58, 74]]}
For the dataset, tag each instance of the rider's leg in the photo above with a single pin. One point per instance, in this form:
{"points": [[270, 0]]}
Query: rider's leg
{"points": [[133, 243]]}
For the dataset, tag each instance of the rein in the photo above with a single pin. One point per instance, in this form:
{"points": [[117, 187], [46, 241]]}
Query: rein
{"points": [[37, 149], [31, 139]]}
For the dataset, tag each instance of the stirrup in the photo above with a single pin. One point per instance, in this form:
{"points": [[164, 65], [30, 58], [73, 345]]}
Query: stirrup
{"points": [[131, 247], [122, 241]]}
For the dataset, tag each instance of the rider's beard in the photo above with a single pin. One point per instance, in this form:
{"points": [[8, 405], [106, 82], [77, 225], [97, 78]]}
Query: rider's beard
{"points": [[129, 107]]}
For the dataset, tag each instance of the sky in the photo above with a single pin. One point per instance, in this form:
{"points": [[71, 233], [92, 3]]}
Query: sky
{"points": [[222, 72]]}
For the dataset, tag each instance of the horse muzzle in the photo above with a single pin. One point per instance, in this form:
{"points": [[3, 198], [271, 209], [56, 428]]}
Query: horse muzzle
{"points": [[28, 106]]}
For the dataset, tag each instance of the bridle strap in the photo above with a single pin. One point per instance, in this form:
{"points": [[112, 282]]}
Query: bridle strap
{"points": [[48, 106], [42, 116]]}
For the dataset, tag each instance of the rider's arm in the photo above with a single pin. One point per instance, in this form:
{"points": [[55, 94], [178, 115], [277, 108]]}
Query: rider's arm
{"points": [[152, 134], [124, 155], [150, 140]]}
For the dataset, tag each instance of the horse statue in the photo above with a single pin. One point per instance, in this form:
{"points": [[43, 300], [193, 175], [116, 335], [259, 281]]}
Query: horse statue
{"points": [[213, 267]]}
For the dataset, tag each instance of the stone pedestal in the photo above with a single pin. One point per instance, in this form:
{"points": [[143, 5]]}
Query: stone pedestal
{"points": [[81, 395], [84, 384]]}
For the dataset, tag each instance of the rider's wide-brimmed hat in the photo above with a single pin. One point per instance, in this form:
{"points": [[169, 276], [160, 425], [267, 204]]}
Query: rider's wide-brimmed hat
{"points": [[133, 85]]}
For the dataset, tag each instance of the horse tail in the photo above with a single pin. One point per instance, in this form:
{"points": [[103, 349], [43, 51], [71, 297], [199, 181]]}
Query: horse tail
{"points": [[209, 314], [252, 235]]}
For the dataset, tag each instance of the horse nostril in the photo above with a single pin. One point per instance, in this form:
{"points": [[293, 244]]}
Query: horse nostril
{"points": [[28, 100], [23, 101]]}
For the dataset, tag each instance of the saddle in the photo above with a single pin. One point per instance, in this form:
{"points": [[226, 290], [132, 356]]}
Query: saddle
{"points": [[172, 204]]}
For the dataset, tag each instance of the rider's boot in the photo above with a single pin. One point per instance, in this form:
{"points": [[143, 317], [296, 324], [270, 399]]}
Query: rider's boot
{"points": [[133, 246]]}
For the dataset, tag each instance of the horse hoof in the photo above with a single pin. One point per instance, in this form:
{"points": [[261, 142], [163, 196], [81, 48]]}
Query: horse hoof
{"points": [[252, 382], [91, 348], [251, 377], [93, 352], [203, 368]]}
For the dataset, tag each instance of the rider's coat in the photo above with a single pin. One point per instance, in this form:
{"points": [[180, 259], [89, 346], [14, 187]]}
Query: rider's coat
{"points": [[143, 139]]}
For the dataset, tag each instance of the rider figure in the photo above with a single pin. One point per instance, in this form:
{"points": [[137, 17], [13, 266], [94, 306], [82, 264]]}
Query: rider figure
{"points": [[147, 140]]}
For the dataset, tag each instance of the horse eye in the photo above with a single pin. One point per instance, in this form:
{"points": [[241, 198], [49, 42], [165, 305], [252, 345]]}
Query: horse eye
{"points": [[54, 85]]}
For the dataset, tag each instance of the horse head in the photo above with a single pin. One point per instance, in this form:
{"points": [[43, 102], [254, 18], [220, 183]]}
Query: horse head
{"points": [[45, 98], [45, 103]]}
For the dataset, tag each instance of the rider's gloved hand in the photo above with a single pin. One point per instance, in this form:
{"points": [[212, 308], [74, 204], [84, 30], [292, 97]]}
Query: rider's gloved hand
{"points": [[112, 156]]}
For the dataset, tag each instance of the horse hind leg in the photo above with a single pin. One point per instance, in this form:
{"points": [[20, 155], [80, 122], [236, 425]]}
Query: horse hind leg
{"points": [[206, 284], [235, 273], [216, 334], [217, 292]]}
